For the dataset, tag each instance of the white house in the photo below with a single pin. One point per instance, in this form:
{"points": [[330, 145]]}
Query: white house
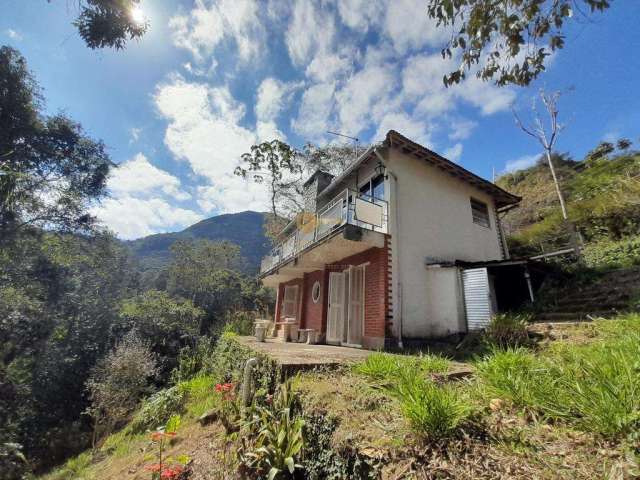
{"points": [[391, 249]]}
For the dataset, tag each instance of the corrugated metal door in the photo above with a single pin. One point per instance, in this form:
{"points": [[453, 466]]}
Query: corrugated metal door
{"points": [[477, 298]]}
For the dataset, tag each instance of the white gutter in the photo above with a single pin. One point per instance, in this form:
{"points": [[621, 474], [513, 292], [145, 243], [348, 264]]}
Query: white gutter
{"points": [[397, 225]]}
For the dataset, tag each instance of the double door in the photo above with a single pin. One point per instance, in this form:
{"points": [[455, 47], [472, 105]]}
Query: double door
{"points": [[345, 322]]}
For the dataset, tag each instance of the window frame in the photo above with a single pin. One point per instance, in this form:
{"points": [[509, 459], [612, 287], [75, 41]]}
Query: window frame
{"points": [[369, 184], [478, 216]]}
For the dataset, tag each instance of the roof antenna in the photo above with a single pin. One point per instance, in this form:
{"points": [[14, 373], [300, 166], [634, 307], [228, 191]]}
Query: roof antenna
{"points": [[355, 140]]}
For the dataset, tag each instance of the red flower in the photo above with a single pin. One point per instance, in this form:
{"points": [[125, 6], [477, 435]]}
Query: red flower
{"points": [[155, 467], [269, 399], [171, 472], [159, 435], [224, 387]]}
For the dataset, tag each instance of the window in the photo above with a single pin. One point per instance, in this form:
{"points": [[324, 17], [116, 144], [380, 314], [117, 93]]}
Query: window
{"points": [[480, 213], [373, 188], [315, 292], [290, 302]]}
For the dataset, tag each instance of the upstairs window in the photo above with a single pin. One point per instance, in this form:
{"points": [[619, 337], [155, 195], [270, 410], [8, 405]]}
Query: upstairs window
{"points": [[480, 213], [373, 188]]}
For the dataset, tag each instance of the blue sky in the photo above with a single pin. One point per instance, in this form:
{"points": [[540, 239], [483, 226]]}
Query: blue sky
{"points": [[210, 78]]}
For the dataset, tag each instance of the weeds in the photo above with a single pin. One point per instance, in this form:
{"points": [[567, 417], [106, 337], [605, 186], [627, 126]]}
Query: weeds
{"points": [[508, 329]]}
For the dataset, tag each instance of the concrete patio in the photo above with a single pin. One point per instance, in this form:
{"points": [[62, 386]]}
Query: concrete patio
{"points": [[302, 356]]}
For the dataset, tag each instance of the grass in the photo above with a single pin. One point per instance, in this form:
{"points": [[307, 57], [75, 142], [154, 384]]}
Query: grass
{"points": [[594, 387], [199, 391], [75, 468], [386, 367], [434, 412]]}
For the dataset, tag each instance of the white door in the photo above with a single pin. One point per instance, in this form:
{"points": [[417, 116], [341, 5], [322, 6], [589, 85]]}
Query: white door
{"points": [[335, 320], [356, 306]]}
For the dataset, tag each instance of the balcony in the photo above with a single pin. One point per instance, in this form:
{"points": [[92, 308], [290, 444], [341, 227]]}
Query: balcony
{"points": [[348, 208]]}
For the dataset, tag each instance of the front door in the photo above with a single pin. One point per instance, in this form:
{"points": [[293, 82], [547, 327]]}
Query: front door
{"points": [[335, 320], [355, 306]]}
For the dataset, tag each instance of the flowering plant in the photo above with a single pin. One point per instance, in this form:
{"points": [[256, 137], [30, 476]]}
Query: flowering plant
{"points": [[163, 470]]}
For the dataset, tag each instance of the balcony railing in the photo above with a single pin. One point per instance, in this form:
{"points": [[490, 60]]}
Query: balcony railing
{"points": [[348, 207]]}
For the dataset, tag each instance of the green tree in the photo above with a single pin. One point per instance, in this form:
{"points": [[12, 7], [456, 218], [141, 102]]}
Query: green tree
{"points": [[507, 41], [50, 170], [110, 23], [167, 323]]}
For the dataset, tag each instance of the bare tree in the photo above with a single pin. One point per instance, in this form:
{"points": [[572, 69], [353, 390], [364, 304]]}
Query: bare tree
{"points": [[546, 132]]}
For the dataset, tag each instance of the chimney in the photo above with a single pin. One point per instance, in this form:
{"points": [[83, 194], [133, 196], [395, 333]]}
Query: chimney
{"points": [[317, 182]]}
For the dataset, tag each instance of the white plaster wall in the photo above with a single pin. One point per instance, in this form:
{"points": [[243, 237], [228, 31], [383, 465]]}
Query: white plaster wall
{"points": [[435, 221]]}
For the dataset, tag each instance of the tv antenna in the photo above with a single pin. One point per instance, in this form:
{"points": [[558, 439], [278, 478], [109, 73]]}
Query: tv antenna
{"points": [[355, 139]]}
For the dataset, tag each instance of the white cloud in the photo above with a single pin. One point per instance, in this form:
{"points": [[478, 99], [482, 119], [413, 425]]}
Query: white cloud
{"points": [[211, 21], [360, 14], [132, 217], [204, 130], [310, 31], [413, 129], [325, 67], [453, 153], [521, 163], [272, 97], [461, 129], [138, 176], [315, 111], [409, 28], [135, 134], [13, 34]]}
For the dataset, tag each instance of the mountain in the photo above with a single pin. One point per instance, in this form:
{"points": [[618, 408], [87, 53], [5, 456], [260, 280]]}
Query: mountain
{"points": [[244, 229]]}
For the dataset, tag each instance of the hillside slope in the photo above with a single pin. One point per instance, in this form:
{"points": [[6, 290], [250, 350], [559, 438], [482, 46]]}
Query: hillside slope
{"points": [[243, 229], [603, 198]]}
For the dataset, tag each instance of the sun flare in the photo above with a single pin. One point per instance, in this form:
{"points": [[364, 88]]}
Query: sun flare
{"points": [[138, 16]]}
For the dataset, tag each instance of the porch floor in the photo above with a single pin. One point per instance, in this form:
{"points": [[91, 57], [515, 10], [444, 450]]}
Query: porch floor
{"points": [[301, 355]]}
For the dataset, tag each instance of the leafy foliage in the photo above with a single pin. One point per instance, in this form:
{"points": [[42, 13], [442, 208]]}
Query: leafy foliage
{"points": [[50, 170], [109, 23], [612, 254], [275, 434], [507, 41], [157, 410]]}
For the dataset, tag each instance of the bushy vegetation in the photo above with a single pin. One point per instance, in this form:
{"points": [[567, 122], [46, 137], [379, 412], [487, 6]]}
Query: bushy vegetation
{"points": [[157, 409], [119, 381], [508, 329], [613, 254]]}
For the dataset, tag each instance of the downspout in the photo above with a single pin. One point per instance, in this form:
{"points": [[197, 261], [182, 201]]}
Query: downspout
{"points": [[397, 223]]}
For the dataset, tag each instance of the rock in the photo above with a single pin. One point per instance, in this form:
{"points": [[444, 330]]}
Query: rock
{"points": [[208, 417]]}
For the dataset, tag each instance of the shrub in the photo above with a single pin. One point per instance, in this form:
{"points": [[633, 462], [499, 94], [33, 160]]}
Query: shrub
{"points": [[508, 329], [13, 463], [119, 381], [613, 254], [434, 412], [192, 359], [158, 409], [239, 322]]}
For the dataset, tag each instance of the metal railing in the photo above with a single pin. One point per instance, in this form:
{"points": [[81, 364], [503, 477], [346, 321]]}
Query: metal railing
{"points": [[347, 207]]}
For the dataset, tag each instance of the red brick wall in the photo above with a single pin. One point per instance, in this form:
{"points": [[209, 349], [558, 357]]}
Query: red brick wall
{"points": [[313, 313]]}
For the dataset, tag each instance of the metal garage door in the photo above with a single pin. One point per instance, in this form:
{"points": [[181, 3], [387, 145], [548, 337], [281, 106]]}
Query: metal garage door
{"points": [[477, 299]]}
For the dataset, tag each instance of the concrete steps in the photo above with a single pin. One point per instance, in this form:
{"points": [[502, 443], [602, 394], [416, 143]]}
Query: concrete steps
{"points": [[608, 296]]}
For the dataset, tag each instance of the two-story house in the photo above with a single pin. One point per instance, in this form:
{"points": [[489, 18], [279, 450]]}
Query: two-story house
{"points": [[377, 256]]}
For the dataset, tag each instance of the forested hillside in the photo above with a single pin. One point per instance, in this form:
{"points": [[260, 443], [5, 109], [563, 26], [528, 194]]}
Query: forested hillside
{"points": [[244, 229], [603, 198]]}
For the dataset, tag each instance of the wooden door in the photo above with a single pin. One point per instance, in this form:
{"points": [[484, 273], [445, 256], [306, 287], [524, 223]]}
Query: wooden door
{"points": [[355, 323], [335, 315]]}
